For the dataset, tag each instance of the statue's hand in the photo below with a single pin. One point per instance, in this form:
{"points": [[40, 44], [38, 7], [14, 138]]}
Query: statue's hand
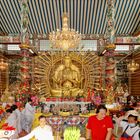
{"points": [[75, 83], [60, 82], [55, 80], [82, 78]]}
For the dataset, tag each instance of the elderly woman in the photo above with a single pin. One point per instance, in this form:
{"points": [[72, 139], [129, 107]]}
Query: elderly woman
{"points": [[28, 116]]}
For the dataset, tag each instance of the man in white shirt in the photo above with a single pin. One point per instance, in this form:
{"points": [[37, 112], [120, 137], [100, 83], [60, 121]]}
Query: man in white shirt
{"points": [[42, 132]]}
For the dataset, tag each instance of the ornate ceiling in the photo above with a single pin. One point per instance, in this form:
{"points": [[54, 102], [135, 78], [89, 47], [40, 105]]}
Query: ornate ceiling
{"points": [[86, 16]]}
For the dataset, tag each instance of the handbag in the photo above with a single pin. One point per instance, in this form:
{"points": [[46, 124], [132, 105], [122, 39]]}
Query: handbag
{"points": [[125, 136]]}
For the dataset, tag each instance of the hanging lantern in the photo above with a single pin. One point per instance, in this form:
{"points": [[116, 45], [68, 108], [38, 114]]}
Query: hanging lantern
{"points": [[3, 64], [65, 39], [133, 66]]}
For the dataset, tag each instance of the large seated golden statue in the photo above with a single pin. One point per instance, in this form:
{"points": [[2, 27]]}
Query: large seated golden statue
{"points": [[67, 80]]}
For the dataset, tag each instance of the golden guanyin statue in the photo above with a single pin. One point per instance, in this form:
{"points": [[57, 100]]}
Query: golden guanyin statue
{"points": [[66, 80]]}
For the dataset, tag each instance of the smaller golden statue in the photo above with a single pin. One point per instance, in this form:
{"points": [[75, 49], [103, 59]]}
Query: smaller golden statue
{"points": [[67, 80], [110, 97], [119, 90], [5, 96]]}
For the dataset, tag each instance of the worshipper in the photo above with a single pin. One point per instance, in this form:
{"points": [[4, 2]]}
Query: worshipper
{"points": [[42, 132], [99, 126], [28, 116], [18, 115], [12, 121], [131, 130], [11, 118]]}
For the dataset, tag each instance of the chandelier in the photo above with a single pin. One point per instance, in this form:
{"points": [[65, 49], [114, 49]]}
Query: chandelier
{"points": [[133, 66], [3, 64], [65, 39]]}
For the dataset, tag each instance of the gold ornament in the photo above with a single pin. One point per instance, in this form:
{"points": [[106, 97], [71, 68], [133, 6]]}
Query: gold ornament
{"points": [[110, 98], [65, 39], [56, 79], [24, 46], [133, 66], [3, 64], [66, 80], [111, 47]]}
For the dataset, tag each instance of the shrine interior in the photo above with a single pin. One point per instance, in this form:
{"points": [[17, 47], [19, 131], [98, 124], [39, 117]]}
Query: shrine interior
{"points": [[68, 57]]}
